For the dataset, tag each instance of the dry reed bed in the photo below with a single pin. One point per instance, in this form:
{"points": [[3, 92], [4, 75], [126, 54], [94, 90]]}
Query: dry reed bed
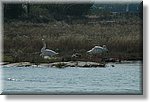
{"points": [[122, 39]]}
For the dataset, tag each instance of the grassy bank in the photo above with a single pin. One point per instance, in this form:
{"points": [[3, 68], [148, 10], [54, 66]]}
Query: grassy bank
{"points": [[22, 40]]}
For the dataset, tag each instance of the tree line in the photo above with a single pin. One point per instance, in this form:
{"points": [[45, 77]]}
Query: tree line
{"points": [[16, 11]]}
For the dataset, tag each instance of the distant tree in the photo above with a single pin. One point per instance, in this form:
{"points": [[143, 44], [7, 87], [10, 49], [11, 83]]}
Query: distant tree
{"points": [[78, 9], [141, 10], [43, 11], [68, 9], [13, 10]]}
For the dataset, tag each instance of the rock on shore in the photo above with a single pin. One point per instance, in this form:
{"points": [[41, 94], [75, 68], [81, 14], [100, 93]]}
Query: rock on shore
{"points": [[57, 64]]}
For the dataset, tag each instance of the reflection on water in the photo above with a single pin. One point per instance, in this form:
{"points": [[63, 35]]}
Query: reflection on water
{"points": [[124, 78]]}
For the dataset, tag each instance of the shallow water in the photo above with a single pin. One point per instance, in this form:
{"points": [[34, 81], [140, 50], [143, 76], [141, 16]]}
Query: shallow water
{"points": [[124, 78]]}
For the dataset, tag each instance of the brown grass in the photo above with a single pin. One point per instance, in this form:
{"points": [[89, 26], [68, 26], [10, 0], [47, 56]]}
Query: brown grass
{"points": [[122, 38]]}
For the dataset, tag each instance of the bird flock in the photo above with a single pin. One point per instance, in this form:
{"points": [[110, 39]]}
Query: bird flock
{"points": [[96, 50]]}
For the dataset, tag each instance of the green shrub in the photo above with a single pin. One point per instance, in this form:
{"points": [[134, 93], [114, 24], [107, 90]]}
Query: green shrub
{"points": [[8, 58]]}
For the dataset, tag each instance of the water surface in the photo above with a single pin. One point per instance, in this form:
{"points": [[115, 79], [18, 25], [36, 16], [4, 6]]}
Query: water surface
{"points": [[124, 78]]}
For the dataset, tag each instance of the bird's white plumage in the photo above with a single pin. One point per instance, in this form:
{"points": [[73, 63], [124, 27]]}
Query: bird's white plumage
{"points": [[98, 50], [47, 52]]}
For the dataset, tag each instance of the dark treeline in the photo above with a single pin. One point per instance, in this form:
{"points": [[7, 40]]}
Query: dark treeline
{"points": [[47, 12], [39, 13]]}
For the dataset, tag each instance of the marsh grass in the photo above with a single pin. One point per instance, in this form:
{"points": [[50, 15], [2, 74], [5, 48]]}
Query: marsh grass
{"points": [[22, 40]]}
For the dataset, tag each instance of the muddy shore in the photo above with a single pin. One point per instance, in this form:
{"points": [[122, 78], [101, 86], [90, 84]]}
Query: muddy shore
{"points": [[55, 64]]}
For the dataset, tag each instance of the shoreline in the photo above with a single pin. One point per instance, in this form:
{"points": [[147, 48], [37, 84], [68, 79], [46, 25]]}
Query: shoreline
{"points": [[82, 64], [56, 64]]}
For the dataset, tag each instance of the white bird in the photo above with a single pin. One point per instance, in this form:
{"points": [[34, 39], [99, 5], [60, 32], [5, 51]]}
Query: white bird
{"points": [[98, 50], [10, 79], [47, 53]]}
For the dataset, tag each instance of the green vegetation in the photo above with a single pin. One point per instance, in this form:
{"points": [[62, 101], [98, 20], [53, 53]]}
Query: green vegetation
{"points": [[22, 36], [44, 12]]}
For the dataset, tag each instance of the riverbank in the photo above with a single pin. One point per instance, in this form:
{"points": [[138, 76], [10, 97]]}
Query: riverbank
{"points": [[55, 64], [81, 64]]}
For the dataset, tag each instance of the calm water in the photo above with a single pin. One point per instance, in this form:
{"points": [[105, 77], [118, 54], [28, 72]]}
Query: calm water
{"points": [[125, 78]]}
